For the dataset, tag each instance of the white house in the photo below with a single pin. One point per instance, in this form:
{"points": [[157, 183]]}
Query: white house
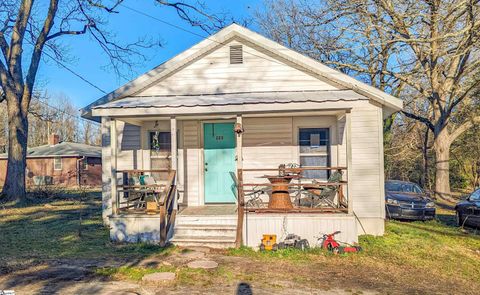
{"points": [[224, 113]]}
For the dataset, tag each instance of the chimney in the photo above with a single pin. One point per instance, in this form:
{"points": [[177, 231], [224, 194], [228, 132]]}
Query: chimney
{"points": [[53, 139]]}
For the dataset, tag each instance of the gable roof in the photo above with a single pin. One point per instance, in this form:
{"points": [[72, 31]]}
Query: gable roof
{"points": [[274, 48], [63, 149]]}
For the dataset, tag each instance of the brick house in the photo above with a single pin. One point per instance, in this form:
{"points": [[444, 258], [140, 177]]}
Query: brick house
{"points": [[65, 164]]}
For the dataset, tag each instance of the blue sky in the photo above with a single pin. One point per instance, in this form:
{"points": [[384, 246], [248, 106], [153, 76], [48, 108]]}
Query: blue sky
{"points": [[88, 60]]}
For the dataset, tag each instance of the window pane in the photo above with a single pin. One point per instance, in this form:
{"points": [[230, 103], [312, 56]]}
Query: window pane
{"points": [[160, 141], [57, 163], [322, 161], [313, 140]]}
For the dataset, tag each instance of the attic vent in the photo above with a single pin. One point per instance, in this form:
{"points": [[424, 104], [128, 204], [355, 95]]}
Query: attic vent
{"points": [[236, 54]]}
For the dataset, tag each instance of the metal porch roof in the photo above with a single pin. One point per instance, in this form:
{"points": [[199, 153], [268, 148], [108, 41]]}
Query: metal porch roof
{"points": [[233, 99]]}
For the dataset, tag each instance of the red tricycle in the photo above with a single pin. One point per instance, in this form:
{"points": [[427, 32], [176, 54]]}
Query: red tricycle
{"points": [[327, 241]]}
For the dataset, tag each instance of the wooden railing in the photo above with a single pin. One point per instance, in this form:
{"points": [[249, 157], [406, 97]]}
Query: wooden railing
{"points": [[300, 187], [135, 197]]}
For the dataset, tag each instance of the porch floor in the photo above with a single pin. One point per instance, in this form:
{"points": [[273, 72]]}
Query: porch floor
{"points": [[210, 210]]}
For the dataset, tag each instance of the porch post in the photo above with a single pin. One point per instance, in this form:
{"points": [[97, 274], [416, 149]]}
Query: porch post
{"points": [[173, 134], [239, 138], [240, 200], [348, 123], [113, 164], [173, 152]]}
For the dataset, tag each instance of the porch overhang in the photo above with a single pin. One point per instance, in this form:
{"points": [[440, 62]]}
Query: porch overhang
{"points": [[230, 103]]}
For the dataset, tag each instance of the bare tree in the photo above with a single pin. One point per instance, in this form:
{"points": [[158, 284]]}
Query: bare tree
{"points": [[28, 29], [426, 52]]}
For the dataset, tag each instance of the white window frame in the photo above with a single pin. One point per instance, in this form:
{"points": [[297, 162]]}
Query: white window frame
{"points": [[55, 162], [85, 164], [326, 154]]}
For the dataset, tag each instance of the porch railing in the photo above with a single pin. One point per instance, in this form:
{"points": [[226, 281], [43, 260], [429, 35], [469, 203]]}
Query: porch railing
{"points": [[306, 195], [156, 196]]}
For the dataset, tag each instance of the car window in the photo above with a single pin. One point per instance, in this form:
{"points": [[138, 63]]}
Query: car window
{"points": [[475, 196], [403, 187]]}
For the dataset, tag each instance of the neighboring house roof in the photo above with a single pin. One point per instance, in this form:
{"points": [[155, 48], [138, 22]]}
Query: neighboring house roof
{"points": [[164, 70], [232, 99], [63, 149]]}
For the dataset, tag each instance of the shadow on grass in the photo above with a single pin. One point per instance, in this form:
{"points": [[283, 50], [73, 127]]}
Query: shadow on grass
{"points": [[51, 242]]}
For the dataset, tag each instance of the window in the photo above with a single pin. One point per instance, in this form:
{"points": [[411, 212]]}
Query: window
{"points": [[314, 151], [160, 141], [57, 163], [85, 164], [236, 54], [475, 196]]}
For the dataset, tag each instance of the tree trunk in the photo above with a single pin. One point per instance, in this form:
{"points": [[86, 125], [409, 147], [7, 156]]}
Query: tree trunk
{"points": [[14, 187], [442, 165]]}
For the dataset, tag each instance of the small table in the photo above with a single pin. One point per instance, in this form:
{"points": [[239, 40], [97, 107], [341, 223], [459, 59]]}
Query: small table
{"points": [[280, 198]]}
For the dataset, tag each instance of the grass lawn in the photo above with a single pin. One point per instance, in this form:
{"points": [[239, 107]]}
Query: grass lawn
{"points": [[414, 257]]}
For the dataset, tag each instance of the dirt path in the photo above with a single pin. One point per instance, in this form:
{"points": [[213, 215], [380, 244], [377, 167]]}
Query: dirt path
{"points": [[235, 275]]}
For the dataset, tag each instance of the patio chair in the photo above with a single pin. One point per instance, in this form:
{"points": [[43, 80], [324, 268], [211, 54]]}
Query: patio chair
{"points": [[323, 196], [157, 188]]}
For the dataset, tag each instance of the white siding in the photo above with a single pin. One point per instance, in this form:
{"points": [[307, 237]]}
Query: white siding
{"points": [[307, 226], [213, 73], [192, 162], [129, 146], [366, 185]]}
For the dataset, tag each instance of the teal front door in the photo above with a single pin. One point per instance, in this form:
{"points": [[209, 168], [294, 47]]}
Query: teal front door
{"points": [[219, 155]]}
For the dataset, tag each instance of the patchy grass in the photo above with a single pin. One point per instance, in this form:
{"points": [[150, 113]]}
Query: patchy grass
{"points": [[412, 257], [63, 228]]}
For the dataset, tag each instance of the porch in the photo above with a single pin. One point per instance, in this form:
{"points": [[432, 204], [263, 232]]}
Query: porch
{"points": [[157, 147]]}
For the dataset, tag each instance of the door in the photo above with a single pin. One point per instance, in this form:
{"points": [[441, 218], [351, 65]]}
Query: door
{"points": [[219, 162]]}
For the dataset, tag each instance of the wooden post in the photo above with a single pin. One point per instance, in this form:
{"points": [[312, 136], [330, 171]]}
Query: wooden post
{"points": [[163, 225], [348, 122], [239, 142], [174, 157], [241, 210], [240, 197], [113, 164]]}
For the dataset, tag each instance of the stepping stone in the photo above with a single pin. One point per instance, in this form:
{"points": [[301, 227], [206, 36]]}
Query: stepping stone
{"points": [[204, 264], [159, 277]]}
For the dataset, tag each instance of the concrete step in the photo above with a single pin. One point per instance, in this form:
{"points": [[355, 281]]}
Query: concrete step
{"points": [[217, 242], [206, 220], [201, 230]]}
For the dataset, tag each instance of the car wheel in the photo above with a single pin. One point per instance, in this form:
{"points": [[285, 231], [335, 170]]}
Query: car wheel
{"points": [[458, 219]]}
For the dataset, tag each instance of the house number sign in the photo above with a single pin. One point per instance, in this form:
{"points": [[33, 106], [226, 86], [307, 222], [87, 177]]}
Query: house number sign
{"points": [[219, 137]]}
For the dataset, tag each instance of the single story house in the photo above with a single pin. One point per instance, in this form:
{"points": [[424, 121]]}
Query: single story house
{"points": [[232, 119], [63, 164]]}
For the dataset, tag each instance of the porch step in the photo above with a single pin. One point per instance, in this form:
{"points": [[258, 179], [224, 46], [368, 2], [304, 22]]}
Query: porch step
{"points": [[214, 231], [202, 230], [218, 242]]}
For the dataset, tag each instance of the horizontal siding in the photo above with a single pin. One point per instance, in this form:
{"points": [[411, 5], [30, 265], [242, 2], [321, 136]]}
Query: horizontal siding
{"points": [[192, 162], [267, 143], [367, 181], [214, 74], [307, 226]]}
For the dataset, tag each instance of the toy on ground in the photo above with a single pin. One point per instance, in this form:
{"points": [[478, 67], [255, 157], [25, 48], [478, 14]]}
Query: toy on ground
{"points": [[332, 245], [294, 241], [269, 243]]}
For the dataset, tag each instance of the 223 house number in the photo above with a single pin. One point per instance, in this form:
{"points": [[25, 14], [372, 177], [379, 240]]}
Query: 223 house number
{"points": [[219, 137]]}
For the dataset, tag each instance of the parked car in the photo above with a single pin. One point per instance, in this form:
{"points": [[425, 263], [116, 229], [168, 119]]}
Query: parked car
{"points": [[468, 211], [407, 201]]}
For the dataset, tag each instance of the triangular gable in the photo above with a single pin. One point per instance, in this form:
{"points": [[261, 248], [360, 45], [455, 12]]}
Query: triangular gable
{"points": [[327, 76], [212, 73]]}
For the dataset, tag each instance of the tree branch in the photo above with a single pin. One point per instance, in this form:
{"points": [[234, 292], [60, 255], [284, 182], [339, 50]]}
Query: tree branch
{"points": [[464, 127], [420, 119]]}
